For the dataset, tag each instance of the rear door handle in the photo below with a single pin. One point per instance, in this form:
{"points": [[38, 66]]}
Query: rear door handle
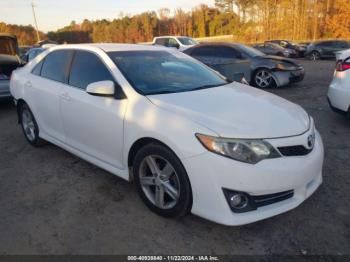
{"points": [[65, 96]]}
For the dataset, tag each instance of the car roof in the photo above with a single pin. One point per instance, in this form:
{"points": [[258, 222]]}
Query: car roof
{"points": [[111, 47], [330, 40], [228, 44]]}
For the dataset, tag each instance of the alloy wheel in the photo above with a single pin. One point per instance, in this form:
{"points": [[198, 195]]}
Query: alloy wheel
{"points": [[28, 124], [159, 181], [263, 78], [315, 56]]}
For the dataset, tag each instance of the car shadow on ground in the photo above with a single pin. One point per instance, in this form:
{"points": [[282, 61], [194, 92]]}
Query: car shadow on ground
{"points": [[6, 103]]}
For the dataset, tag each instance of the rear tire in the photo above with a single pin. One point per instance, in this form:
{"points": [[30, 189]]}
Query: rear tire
{"points": [[29, 126], [162, 181]]}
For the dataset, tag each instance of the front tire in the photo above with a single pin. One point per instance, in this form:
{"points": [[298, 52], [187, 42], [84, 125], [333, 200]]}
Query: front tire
{"points": [[162, 181], [263, 79], [30, 127], [315, 56]]}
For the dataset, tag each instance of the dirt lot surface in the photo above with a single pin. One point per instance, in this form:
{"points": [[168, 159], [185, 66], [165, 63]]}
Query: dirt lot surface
{"points": [[52, 202]]}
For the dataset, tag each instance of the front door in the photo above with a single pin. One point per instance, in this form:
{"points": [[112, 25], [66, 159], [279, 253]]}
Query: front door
{"points": [[93, 125]]}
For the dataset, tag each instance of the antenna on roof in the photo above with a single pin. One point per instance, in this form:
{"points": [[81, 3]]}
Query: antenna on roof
{"points": [[36, 23]]}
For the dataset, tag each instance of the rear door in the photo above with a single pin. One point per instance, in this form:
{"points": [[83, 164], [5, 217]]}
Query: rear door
{"points": [[93, 124], [46, 82]]}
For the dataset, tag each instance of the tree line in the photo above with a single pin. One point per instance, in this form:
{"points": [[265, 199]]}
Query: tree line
{"points": [[246, 20]]}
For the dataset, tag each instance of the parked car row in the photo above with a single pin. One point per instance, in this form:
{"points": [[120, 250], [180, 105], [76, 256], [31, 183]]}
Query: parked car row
{"points": [[260, 70], [326, 49]]}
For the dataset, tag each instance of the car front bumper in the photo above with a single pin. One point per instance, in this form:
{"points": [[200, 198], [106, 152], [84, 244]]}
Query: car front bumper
{"points": [[210, 173], [5, 89], [283, 78]]}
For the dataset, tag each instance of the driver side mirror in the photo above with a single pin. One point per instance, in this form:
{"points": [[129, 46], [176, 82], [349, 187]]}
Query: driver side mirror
{"points": [[101, 88]]}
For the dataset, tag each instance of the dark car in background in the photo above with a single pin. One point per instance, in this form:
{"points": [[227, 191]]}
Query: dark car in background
{"points": [[224, 59], [326, 49], [299, 49], [266, 71], [274, 49], [9, 61]]}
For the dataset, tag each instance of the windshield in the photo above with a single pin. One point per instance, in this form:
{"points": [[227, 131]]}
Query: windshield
{"points": [[251, 51], [7, 46], [159, 72], [187, 41]]}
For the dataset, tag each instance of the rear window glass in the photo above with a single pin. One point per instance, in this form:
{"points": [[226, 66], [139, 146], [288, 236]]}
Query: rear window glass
{"points": [[37, 68]]}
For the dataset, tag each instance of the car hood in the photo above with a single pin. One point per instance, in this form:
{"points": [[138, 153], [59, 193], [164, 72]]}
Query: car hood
{"points": [[279, 59], [237, 111]]}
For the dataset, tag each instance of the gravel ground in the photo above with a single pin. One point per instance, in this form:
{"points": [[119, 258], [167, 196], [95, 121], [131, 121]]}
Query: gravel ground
{"points": [[52, 202]]}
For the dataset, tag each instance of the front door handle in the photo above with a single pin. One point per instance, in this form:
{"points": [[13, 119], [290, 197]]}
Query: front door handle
{"points": [[28, 84]]}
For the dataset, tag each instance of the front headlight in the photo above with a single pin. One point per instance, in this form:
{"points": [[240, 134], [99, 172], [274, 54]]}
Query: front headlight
{"points": [[285, 67], [245, 150]]}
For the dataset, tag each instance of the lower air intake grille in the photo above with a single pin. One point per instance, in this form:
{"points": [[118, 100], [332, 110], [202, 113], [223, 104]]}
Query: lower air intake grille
{"points": [[264, 200]]}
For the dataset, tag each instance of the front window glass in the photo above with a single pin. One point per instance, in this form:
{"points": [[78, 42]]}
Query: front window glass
{"points": [[157, 72], [187, 41], [87, 68]]}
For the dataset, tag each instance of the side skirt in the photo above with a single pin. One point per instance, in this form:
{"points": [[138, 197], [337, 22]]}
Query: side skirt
{"points": [[105, 166]]}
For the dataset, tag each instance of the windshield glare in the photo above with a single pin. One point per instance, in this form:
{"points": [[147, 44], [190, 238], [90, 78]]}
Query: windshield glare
{"points": [[156, 72], [187, 41], [251, 51]]}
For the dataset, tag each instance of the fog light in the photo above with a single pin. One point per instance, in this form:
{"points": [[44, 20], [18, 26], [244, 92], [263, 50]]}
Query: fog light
{"points": [[238, 200]]}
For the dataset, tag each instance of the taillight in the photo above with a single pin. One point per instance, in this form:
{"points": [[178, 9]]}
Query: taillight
{"points": [[342, 65]]}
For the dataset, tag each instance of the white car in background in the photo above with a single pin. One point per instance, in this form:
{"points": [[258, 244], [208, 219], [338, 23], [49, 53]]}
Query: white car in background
{"points": [[177, 42], [188, 138], [339, 89]]}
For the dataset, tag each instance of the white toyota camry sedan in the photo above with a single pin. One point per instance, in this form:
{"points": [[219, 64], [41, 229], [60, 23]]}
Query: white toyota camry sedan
{"points": [[189, 139]]}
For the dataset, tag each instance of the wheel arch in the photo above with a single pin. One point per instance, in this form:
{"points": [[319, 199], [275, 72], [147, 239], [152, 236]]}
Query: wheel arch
{"points": [[141, 142], [20, 103]]}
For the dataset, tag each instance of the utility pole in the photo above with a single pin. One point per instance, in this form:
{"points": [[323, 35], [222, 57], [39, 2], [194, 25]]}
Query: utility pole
{"points": [[36, 23]]}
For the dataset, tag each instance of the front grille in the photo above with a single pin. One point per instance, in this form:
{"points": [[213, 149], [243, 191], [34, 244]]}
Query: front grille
{"points": [[294, 150], [264, 200]]}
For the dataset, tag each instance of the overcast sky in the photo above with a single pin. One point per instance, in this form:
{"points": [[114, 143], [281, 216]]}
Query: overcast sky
{"points": [[54, 14]]}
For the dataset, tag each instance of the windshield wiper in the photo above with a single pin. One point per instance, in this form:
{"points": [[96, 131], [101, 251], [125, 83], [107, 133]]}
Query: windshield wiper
{"points": [[165, 92]]}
